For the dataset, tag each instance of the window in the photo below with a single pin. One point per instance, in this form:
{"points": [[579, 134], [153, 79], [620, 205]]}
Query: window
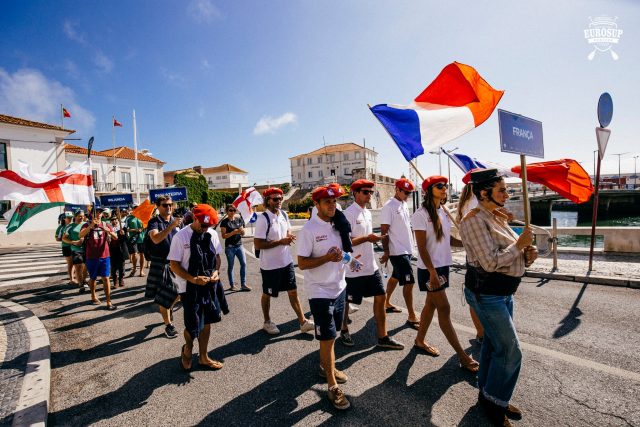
{"points": [[299, 161], [333, 172], [310, 174], [309, 160], [345, 156], [125, 177], [346, 171], [150, 180], [320, 173], [357, 155], [4, 164], [319, 159], [94, 177], [5, 206], [299, 175]]}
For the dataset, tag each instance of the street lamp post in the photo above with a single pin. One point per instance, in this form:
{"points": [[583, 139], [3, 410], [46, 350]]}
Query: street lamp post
{"points": [[619, 175], [635, 172], [439, 163], [594, 165], [449, 172]]}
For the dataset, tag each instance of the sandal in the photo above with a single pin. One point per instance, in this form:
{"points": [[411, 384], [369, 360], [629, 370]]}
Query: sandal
{"points": [[431, 351], [473, 366], [132, 273], [214, 365], [111, 307], [96, 302], [182, 356], [392, 309], [413, 325]]}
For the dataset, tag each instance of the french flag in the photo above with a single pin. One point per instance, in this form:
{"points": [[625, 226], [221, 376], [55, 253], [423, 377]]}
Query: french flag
{"points": [[457, 101]]}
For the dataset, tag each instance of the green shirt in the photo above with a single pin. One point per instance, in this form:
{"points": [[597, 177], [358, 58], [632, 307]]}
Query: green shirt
{"points": [[61, 231], [73, 233], [134, 223]]}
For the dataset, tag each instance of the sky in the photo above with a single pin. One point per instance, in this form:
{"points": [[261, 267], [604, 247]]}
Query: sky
{"points": [[253, 83]]}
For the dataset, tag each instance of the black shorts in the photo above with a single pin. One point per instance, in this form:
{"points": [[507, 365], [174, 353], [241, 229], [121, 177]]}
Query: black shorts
{"points": [[135, 248], [77, 257], [278, 280], [423, 278], [66, 251], [364, 286], [328, 315], [402, 269]]}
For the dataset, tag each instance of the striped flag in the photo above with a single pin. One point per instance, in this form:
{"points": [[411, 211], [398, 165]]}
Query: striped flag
{"points": [[23, 211], [244, 202], [73, 185], [65, 113], [457, 101]]}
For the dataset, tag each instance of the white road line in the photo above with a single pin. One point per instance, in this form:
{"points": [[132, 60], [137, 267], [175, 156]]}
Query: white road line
{"points": [[574, 360], [31, 280], [39, 262], [21, 274], [37, 256], [31, 268]]}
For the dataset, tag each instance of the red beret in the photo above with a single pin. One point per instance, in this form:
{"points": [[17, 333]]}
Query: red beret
{"points": [[433, 180], [467, 177], [357, 185], [205, 214], [328, 192], [405, 184], [270, 191]]}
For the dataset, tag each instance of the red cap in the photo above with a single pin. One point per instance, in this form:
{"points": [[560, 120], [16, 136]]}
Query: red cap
{"points": [[361, 183], [433, 180], [467, 177], [405, 184], [271, 191], [328, 192], [205, 214]]}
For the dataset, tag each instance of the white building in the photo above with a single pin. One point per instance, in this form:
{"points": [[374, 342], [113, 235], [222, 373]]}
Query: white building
{"points": [[225, 176], [333, 163], [39, 145], [114, 170]]}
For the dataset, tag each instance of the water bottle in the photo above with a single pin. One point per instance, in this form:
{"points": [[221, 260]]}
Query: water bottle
{"points": [[346, 257]]}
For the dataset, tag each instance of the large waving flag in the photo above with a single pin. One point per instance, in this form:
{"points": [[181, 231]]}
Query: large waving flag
{"points": [[466, 163], [244, 202], [457, 101], [144, 212], [23, 211], [73, 185], [565, 176]]}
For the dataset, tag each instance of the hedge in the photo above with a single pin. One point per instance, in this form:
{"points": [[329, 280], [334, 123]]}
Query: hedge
{"points": [[198, 190]]}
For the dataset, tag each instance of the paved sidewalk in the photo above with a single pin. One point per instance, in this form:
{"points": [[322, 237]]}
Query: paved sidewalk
{"points": [[24, 367]]}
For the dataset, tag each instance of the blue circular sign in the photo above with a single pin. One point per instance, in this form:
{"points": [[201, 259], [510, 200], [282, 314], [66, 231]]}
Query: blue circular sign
{"points": [[605, 110]]}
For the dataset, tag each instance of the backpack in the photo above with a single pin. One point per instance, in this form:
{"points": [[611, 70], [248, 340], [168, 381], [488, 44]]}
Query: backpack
{"points": [[266, 216]]}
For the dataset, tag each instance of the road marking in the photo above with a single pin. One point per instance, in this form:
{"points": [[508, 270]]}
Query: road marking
{"points": [[32, 280], [32, 267], [578, 361], [16, 263], [34, 257], [18, 275]]}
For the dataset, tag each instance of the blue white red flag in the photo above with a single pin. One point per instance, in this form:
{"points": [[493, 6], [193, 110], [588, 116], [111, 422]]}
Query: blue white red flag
{"points": [[457, 101]]}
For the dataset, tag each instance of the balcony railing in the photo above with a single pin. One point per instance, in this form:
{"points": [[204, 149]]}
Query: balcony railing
{"points": [[108, 187]]}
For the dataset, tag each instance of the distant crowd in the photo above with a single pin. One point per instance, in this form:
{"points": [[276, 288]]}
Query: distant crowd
{"points": [[335, 251]]}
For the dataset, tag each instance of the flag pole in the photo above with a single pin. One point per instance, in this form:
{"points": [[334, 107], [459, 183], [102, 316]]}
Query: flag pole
{"points": [[61, 116], [135, 147], [113, 142], [525, 191]]}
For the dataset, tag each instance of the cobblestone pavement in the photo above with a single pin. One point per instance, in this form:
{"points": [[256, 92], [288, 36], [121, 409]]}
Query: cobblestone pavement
{"points": [[14, 352]]}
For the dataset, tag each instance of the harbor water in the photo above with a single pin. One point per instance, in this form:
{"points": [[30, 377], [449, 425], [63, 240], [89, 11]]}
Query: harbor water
{"points": [[570, 219]]}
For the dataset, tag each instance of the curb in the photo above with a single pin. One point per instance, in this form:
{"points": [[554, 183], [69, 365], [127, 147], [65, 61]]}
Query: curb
{"points": [[33, 404], [595, 280]]}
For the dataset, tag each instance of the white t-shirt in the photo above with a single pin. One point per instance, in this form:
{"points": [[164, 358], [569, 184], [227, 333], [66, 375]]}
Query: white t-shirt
{"points": [[314, 210], [361, 225], [181, 251], [439, 251], [279, 256], [396, 214], [314, 240]]}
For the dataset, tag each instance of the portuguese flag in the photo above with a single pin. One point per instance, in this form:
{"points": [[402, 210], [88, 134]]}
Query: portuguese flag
{"points": [[24, 211]]}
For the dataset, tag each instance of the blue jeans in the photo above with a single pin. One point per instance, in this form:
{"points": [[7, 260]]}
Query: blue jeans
{"points": [[500, 355], [232, 252]]}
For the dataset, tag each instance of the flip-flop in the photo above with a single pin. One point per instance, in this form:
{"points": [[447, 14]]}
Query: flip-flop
{"points": [[214, 365], [96, 302], [472, 367], [393, 309], [111, 307], [413, 325], [431, 351], [181, 357]]}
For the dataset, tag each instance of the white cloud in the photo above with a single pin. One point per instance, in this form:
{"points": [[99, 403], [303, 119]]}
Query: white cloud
{"points": [[28, 94], [103, 62], [203, 11], [268, 124], [72, 33]]}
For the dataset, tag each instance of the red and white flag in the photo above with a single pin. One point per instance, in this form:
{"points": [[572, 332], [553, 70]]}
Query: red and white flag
{"points": [[116, 123], [244, 202], [65, 112], [73, 185]]}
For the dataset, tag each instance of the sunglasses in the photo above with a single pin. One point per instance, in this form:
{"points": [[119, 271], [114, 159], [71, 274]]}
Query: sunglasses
{"points": [[440, 186], [406, 192], [366, 192], [231, 210], [276, 199], [167, 205]]}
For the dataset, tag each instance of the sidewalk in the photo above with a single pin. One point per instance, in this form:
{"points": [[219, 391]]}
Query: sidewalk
{"points": [[25, 367]]}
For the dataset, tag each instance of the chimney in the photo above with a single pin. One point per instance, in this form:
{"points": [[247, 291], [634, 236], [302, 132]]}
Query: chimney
{"points": [[198, 169]]}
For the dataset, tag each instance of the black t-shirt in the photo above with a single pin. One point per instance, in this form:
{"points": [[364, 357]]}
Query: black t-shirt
{"points": [[229, 225], [161, 250]]}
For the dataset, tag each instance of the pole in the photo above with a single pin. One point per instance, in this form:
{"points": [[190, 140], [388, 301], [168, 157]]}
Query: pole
{"points": [[594, 218], [364, 142], [525, 190], [113, 143], [61, 116], [635, 173], [135, 147], [554, 244], [594, 164]]}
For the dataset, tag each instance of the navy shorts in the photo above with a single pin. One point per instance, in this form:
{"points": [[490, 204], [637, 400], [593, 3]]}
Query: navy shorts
{"points": [[135, 248], [66, 251], [98, 267], [364, 286], [402, 269], [278, 280], [328, 314], [198, 308], [423, 278], [77, 257]]}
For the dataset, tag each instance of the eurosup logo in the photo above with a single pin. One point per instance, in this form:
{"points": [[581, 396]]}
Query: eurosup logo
{"points": [[603, 33]]}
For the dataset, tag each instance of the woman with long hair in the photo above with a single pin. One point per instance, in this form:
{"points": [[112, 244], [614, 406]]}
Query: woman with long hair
{"points": [[432, 228]]}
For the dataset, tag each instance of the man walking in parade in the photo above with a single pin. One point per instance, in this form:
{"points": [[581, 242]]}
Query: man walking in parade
{"points": [[72, 237], [66, 247], [135, 233]]}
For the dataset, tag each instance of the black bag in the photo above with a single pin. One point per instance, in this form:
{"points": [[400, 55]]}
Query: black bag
{"points": [[146, 245], [266, 216], [479, 281], [166, 291]]}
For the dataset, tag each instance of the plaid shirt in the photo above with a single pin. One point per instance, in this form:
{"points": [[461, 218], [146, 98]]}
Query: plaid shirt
{"points": [[491, 244]]}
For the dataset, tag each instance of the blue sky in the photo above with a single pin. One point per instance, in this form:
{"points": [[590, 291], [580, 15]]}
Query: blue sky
{"points": [[252, 83]]}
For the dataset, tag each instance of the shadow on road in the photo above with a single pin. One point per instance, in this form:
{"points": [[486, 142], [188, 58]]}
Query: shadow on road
{"points": [[571, 321]]}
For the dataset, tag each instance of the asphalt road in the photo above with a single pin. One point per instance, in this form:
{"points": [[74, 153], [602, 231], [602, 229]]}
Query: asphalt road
{"points": [[580, 343]]}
